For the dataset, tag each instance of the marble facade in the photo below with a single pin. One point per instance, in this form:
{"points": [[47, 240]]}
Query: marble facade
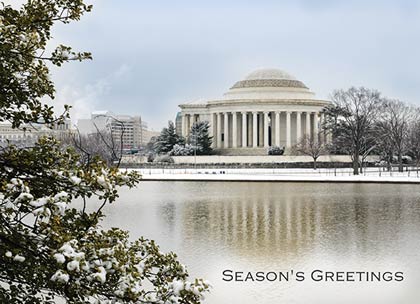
{"points": [[268, 108]]}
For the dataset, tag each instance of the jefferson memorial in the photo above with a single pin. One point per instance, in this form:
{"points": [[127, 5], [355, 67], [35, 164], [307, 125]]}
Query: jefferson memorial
{"points": [[269, 107]]}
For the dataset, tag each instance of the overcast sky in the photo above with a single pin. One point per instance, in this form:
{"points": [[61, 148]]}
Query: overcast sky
{"points": [[150, 56]]}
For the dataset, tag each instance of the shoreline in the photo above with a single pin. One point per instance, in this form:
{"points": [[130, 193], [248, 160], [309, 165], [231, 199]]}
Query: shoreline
{"points": [[280, 181], [301, 178]]}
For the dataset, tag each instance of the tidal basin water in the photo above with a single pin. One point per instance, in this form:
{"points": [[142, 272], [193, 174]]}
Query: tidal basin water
{"points": [[251, 227]]}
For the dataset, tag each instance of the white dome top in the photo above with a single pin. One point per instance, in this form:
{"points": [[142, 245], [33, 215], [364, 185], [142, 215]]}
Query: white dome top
{"points": [[269, 84], [269, 74]]}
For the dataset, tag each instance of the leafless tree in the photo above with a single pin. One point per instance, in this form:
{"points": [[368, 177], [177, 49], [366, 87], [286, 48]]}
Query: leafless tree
{"points": [[103, 143], [413, 142], [312, 147], [394, 124], [383, 146], [368, 144], [351, 118]]}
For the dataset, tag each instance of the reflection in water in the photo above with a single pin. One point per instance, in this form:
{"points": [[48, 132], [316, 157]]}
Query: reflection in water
{"points": [[291, 223], [281, 226], [168, 213]]}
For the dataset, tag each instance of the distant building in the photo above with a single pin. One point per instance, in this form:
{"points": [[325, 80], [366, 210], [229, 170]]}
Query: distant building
{"points": [[28, 134], [148, 134], [178, 123], [130, 129]]}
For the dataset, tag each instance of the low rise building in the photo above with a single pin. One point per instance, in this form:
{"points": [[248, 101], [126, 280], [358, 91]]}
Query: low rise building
{"points": [[28, 134]]}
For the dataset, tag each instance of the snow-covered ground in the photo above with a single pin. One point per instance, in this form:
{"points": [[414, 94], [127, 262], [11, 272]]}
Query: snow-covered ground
{"points": [[305, 175]]}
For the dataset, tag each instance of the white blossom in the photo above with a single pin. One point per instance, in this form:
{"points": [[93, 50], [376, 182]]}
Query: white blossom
{"points": [[65, 54], [73, 265], [177, 286], [61, 207], [19, 258], [60, 276], [61, 195], [76, 180], [102, 181], [67, 249], [60, 258], [39, 202], [140, 267], [101, 275], [24, 196], [85, 267]]}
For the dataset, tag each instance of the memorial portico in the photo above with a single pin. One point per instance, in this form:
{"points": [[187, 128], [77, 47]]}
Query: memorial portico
{"points": [[268, 108]]}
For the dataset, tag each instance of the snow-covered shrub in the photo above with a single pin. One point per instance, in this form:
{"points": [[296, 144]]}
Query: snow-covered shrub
{"points": [[407, 159], [150, 157], [179, 150], [164, 159], [274, 150]]}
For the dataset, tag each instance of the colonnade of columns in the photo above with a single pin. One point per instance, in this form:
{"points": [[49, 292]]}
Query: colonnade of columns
{"points": [[258, 129], [187, 121]]}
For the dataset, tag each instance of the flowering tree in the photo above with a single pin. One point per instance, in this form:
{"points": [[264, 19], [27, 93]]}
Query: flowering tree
{"points": [[50, 249]]}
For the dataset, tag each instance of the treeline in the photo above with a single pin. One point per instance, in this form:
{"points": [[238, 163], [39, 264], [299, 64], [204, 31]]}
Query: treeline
{"points": [[359, 122], [362, 123]]}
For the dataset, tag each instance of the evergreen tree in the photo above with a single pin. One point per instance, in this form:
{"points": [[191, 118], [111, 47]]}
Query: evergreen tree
{"points": [[200, 139], [49, 248], [167, 139]]}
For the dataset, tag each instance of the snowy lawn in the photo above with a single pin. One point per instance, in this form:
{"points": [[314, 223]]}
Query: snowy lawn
{"points": [[310, 175]]}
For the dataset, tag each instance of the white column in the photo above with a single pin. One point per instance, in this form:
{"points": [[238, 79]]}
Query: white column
{"points": [[211, 129], [184, 125], [226, 130], [277, 123], [254, 129], [316, 127], [191, 122], [298, 127], [266, 129], [244, 130], [249, 129], [288, 130], [308, 124], [234, 130], [187, 127], [219, 130], [260, 129]]}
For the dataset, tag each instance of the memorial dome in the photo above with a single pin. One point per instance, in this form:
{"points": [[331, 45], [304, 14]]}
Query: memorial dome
{"points": [[269, 84]]}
